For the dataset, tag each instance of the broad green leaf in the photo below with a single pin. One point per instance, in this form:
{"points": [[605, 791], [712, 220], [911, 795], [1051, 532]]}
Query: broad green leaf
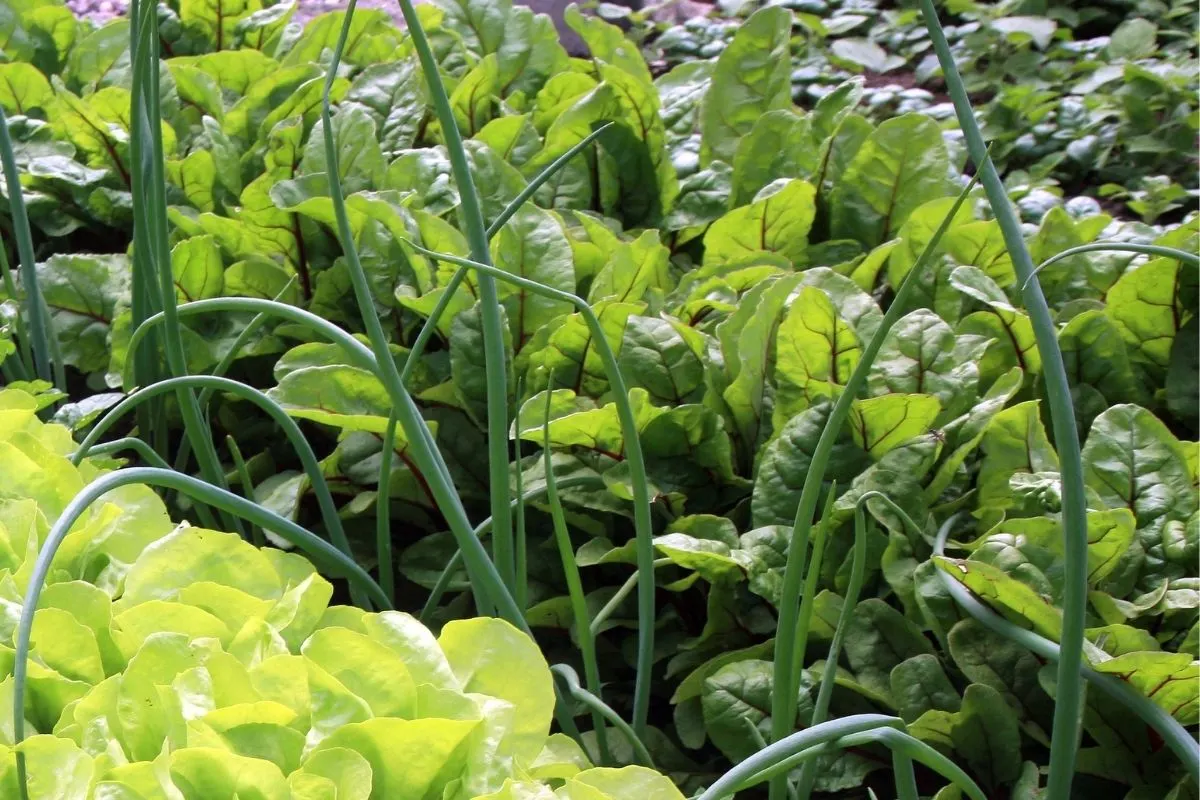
{"points": [[901, 165], [751, 78], [878, 639], [880, 424], [816, 351], [919, 357], [786, 462], [608, 43], [394, 96], [748, 340], [987, 735], [484, 654], [367, 668], [777, 221], [1133, 461], [919, 684], [1014, 441], [1016, 600], [778, 146], [1149, 306], [1169, 679], [372, 38], [664, 357], [532, 245], [23, 89], [215, 21], [342, 396], [632, 781]]}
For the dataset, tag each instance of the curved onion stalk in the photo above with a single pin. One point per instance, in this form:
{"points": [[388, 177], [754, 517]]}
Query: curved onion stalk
{"points": [[131, 443], [902, 773], [318, 548], [913, 749], [784, 698], [443, 582], [312, 468], [150, 230], [858, 569], [633, 456], [1172, 732], [521, 554], [1064, 740], [1117, 247], [776, 758], [39, 324], [566, 553], [571, 680], [470, 215]]}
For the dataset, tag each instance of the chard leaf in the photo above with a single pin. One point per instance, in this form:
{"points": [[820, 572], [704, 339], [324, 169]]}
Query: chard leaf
{"points": [[901, 165], [751, 78], [1149, 305], [776, 147], [1133, 461], [777, 221], [816, 351], [919, 684]]}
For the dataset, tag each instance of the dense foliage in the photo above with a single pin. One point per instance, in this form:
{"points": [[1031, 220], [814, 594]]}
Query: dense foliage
{"points": [[1091, 100], [738, 231], [175, 662]]}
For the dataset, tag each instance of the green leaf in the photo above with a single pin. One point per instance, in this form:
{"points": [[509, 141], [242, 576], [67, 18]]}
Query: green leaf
{"points": [[484, 654], [880, 424], [1149, 305], [1133, 39], [987, 735], [816, 351], [748, 342], [920, 356], [1133, 461], [344, 397], [24, 90], [532, 245], [919, 684], [786, 462], [1169, 679], [394, 96], [408, 758], [751, 78], [778, 221], [608, 43], [359, 157], [878, 639], [1016, 600], [85, 293], [778, 146], [901, 165], [665, 358], [215, 21]]}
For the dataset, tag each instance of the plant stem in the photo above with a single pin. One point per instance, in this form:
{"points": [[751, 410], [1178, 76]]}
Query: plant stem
{"points": [[39, 324], [1064, 741], [643, 532], [239, 464], [470, 215]]}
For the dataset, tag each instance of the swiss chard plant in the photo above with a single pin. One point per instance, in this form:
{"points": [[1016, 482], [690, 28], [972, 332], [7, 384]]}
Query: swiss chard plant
{"points": [[808, 463]]}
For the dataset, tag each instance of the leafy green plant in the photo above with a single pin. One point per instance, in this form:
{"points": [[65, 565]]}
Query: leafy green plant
{"points": [[718, 313]]}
